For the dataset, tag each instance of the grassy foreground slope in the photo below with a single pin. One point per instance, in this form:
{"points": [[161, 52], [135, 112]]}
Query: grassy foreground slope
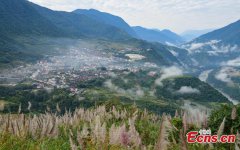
{"points": [[114, 127]]}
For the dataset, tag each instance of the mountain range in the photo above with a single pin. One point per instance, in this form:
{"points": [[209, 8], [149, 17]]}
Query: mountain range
{"points": [[24, 24], [20, 17], [217, 47], [153, 35]]}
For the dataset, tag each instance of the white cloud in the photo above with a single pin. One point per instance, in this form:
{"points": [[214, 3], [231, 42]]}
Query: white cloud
{"points": [[168, 72], [235, 102], [136, 92], [178, 15], [232, 63], [139, 92], [113, 87], [112, 74], [223, 49], [223, 75], [188, 90], [204, 75], [195, 62], [215, 48], [196, 113], [196, 46], [174, 53]]}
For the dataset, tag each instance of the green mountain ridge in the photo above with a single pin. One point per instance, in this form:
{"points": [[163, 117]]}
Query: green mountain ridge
{"points": [[107, 18]]}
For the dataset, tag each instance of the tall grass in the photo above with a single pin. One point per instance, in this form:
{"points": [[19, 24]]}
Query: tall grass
{"points": [[101, 128]]}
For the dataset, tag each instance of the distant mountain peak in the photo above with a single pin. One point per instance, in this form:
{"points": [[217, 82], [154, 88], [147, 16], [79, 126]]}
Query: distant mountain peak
{"points": [[91, 9], [166, 30], [88, 10], [192, 34], [155, 35]]}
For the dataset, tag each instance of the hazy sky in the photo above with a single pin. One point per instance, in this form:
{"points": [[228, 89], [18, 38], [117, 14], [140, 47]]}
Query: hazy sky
{"points": [[177, 15]]}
